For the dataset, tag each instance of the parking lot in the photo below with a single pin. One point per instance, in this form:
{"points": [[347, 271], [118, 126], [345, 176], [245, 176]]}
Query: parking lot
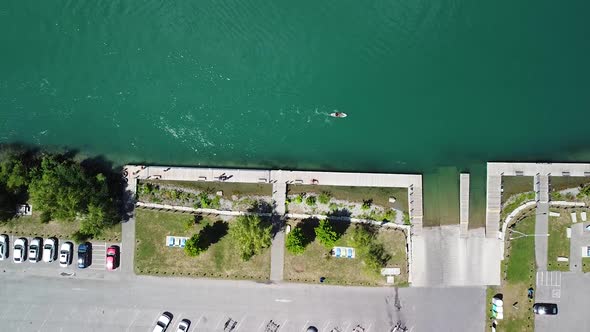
{"points": [[97, 268], [38, 303]]}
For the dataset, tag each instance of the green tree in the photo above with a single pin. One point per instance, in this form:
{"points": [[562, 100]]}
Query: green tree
{"points": [[326, 234], [192, 246], [13, 174], [376, 258], [295, 240], [250, 235], [362, 237], [94, 221]]}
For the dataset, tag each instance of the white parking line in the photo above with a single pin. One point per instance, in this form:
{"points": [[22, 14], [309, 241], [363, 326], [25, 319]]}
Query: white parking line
{"points": [[137, 312], [240, 322], [326, 326], [305, 326]]}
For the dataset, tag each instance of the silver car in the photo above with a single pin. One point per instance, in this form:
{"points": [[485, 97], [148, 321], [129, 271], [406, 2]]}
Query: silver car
{"points": [[3, 247]]}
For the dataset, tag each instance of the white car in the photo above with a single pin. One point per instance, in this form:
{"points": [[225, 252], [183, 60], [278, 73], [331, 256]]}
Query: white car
{"points": [[163, 322], [19, 252], [3, 246], [35, 250], [49, 250], [65, 254], [183, 325]]}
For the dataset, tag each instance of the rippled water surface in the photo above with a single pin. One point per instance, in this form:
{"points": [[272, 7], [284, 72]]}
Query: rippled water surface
{"points": [[251, 83]]}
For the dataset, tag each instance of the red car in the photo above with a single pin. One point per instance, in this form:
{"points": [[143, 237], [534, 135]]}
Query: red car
{"points": [[112, 258]]}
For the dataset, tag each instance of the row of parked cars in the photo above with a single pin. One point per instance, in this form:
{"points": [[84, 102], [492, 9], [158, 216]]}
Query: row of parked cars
{"points": [[46, 250]]}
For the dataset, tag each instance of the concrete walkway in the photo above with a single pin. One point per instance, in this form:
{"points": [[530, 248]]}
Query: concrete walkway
{"points": [[277, 252], [541, 221]]}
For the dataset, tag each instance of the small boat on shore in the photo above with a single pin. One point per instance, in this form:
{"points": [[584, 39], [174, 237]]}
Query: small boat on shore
{"points": [[338, 115]]}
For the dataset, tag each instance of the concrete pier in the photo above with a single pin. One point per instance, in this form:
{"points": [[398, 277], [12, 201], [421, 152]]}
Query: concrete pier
{"points": [[464, 204], [541, 172]]}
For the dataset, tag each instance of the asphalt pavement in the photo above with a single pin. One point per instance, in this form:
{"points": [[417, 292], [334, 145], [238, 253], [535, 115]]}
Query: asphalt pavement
{"points": [[75, 303]]}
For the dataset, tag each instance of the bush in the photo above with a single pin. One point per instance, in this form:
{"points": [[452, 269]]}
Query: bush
{"points": [[294, 242], [407, 220], [192, 247], [250, 236], [299, 198], [310, 200], [376, 257], [324, 197], [326, 234], [216, 202], [389, 215], [362, 237], [367, 204]]}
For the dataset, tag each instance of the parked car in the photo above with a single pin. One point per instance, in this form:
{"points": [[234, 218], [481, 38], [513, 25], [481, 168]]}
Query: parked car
{"points": [[163, 322], [65, 254], [19, 253], [50, 250], [3, 247], [112, 257], [545, 308], [312, 329], [84, 255], [35, 250], [183, 325]]}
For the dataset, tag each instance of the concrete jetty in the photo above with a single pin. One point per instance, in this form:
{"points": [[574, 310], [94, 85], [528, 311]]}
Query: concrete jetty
{"points": [[541, 172], [464, 204], [279, 180]]}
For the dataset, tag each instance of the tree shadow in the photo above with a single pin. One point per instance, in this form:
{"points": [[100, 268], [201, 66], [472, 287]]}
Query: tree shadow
{"points": [[340, 226], [212, 233], [339, 213], [307, 227], [261, 206]]}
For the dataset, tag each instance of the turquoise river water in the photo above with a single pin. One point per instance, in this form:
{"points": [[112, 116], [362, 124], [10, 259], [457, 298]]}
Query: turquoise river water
{"points": [[435, 87]]}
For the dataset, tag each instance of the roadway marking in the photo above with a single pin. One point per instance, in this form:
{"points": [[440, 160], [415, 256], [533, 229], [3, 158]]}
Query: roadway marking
{"points": [[549, 278], [137, 312], [304, 326], [283, 300], [326, 326], [240, 322]]}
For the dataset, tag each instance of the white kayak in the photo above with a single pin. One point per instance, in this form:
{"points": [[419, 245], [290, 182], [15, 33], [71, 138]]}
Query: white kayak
{"points": [[338, 115]]}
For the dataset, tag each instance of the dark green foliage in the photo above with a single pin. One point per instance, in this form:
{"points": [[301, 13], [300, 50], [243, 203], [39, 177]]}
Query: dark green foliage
{"points": [[362, 237], [326, 234], [250, 236], [367, 203], [295, 241], [324, 197], [14, 175], [310, 200], [192, 247], [376, 258], [585, 190]]}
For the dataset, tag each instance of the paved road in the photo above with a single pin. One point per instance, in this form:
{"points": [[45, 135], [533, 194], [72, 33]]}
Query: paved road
{"points": [[33, 303]]}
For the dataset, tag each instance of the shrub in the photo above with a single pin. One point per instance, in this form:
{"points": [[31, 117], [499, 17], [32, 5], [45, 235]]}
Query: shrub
{"points": [[215, 202], [376, 257], [326, 234], [367, 204], [310, 200], [250, 236], [294, 242], [192, 247], [299, 198], [407, 220], [389, 215], [362, 237], [324, 197]]}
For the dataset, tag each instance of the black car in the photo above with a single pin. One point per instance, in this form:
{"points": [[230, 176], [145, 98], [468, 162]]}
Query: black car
{"points": [[545, 308], [84, 255]]}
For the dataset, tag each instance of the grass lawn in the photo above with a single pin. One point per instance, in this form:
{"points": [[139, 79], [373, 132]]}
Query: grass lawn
{"points": [[380, 196], [220, 260], [315, 262], [32, 226], [515, 185], [517, 201], [566, 182], [559, 244], [518, 270], [585, 264], [228, 188]]}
